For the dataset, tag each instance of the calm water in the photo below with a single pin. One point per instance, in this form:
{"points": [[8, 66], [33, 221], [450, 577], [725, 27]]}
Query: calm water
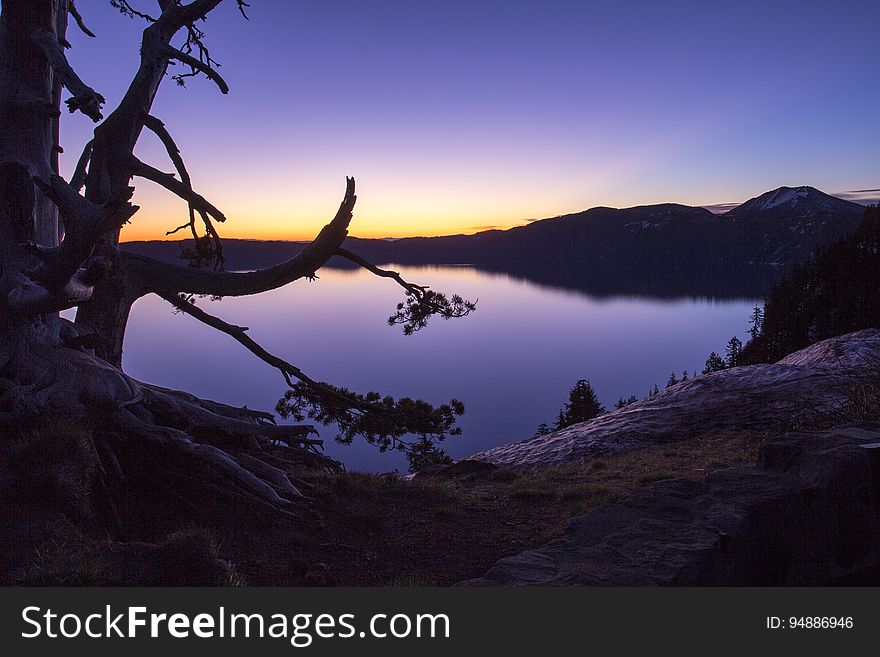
{"points": [[511, 363]]}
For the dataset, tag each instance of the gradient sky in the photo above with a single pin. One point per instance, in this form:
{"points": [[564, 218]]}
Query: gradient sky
{"points": [[459, 116]]}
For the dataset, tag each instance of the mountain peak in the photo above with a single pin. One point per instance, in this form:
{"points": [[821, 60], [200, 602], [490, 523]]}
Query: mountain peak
{"points": [[796, 200]]}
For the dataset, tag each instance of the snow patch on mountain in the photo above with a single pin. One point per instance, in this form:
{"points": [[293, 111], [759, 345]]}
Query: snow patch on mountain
{"points": [[784, 195], [802, 201]]}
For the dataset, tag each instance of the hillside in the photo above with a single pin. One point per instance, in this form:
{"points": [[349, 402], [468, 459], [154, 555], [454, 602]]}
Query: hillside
{"points": [[659, 250], [834, 293], [812, 387]]}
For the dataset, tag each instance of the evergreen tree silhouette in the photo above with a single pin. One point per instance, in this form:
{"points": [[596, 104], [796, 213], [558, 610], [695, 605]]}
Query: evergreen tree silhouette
{"points": [[756, 321], [623, 403], [732, 351], [583, 405], [714, 363]]}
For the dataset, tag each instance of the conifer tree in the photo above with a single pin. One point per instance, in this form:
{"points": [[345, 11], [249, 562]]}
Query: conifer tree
{"points": [[583, 405], [714, 363], [732, 351]]}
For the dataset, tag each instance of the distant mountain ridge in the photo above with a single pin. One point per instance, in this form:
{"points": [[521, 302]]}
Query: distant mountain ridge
{"points": [[664, 250], [796, 201]]}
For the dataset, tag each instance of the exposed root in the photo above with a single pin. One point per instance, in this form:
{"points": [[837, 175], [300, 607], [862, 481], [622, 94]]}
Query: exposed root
{"points": [[172, 441]]}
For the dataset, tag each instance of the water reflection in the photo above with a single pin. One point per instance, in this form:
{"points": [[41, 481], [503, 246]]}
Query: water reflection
{"points": [[512, 362]]}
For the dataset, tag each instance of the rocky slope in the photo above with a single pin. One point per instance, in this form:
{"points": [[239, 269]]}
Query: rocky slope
{"points": [[808, 387], [807, 514]]}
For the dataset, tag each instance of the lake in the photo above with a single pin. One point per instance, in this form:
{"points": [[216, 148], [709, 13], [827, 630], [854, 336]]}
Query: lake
{"points": [[511, 363]]}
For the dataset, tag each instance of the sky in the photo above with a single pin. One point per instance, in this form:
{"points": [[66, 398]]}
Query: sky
{"points": [[460, 116]]}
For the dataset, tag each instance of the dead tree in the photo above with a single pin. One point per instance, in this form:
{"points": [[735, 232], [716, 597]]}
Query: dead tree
{"points": [[50, 367]]}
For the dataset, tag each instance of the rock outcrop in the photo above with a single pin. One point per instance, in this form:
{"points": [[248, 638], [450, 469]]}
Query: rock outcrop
{"points": [[807, 514], [812, 386]]}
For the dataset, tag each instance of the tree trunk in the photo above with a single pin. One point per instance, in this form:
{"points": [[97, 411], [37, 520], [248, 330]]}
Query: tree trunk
{"points": [[47, 372], [30, 99], [105, 315]]}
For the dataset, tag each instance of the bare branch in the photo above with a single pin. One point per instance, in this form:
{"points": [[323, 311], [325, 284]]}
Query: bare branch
{"points": [[84, 223], [384, 273], [73, 11], [126, 9], [381, 420], [181, 15], [191, 224], [159, 129], [79, 173], [175, 186], [239, 334], [85, 99], [164, 278], [197, 65], [421, 303], [116, 138]]}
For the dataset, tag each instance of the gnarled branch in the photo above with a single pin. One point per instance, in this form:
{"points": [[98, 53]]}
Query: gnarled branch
{"points": [[239, 334], [381, 420], [159, 129], [164, 278], [198, 65], [85, 99], [176, 187], [84, 223], [73, 11], [78, 179], [384, 273], [33, 298]]}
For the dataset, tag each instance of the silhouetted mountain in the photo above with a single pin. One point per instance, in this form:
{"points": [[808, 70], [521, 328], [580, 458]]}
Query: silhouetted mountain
{"points": [[657, 250], [796, 201], [786, 225]]}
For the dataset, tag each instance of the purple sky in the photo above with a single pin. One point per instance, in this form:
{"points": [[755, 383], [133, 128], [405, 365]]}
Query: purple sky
{"points": [[456, 116]]}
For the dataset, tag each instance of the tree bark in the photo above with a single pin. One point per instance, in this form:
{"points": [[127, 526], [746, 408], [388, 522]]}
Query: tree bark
{"points": [[110, 170], [30, 101]]}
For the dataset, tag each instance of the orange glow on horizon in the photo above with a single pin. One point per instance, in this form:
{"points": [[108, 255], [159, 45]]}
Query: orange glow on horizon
{"points": [[466, 214]]}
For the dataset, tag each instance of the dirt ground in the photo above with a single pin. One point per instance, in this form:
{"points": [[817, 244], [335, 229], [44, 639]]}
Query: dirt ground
{"points": [[366, 530]]}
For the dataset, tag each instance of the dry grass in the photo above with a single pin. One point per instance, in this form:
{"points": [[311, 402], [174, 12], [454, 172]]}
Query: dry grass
{"points": [[371, 530]]}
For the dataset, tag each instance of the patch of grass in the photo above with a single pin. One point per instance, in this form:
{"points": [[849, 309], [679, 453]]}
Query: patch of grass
{"points": [[190, 556], [447, 512], [410, 581], [504, 476], [53, 463], [526, 492], [583, 491], [584, 506], [356, 483], [651, 477], [61, 561]]}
